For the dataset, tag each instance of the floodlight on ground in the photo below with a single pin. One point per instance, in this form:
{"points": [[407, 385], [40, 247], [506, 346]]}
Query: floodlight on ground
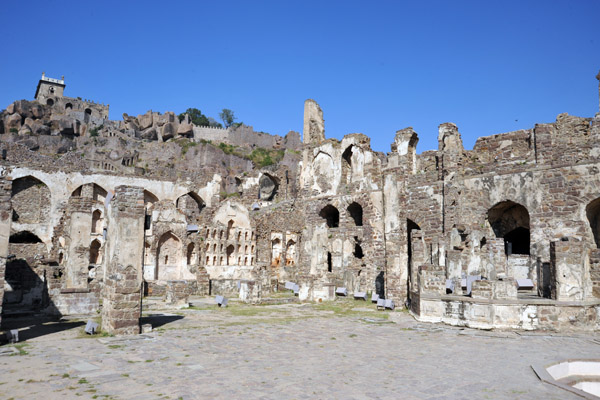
{"points": [[374, 298], [91, 327], [221, 301], [341, 291], [360, 296]]}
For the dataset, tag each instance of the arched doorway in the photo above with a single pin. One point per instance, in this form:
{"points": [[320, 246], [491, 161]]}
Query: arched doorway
{"points": [[168, 257], [510, 221], [331, 216]]}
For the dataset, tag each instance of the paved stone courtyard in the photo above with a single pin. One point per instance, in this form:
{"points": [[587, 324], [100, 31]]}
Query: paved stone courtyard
{"points": [[340, 350]]}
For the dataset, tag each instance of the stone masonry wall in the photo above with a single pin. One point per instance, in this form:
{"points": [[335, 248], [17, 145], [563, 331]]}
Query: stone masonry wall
{"points": [[5, 219]]}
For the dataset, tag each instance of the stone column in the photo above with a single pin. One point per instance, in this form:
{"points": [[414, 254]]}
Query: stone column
{"points": [[5, 219], [124, 248], [569, 269]]}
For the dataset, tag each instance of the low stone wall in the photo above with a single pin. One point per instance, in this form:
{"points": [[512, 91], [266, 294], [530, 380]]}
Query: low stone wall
{"points": [[529, 314]]}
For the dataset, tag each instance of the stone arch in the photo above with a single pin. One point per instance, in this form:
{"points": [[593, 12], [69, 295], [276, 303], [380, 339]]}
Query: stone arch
{"points": [[50, 102], [230, 257], [149, 199], [168, 256], [276, 248], [30, 200], [323, 165], [356, 213], [95, 255], [88, 111], [331, 215], [191, 205], [510, 221], [24, 237], [97, 192], [69, 106], [97, 221]]}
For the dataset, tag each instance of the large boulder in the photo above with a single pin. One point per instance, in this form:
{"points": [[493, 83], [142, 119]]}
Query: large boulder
{"points": [[186, 130], [148, 134], [168, 131], [145, 121], [13, 122]]}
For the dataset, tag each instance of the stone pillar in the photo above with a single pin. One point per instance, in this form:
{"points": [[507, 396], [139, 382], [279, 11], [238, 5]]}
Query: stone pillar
{"points": [[314, 124], [5, 219], [76, 271], [124, 248]]}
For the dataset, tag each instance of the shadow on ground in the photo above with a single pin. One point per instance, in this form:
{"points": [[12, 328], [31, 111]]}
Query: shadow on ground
{"points": [[33, 327], [158, 320]]}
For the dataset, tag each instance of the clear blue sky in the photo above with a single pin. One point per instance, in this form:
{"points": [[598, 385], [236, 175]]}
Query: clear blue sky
{"points": [[374, 67]]}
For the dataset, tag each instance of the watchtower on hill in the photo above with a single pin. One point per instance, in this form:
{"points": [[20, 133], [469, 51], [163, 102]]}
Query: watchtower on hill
{"points": [[48, 89]]}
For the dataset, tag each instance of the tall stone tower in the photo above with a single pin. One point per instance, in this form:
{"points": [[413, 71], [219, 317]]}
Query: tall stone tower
{"points": [[48, 89]]}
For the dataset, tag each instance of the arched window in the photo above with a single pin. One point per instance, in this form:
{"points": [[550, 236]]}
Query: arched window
{"points": [[50, 102], [356, 212], [331, 215], [88, 111], [230, 258], [68, 106], [275, 252], [191, 254]]}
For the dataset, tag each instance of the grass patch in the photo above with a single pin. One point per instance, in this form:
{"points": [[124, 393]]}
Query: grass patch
{"points": [[21, 349]]}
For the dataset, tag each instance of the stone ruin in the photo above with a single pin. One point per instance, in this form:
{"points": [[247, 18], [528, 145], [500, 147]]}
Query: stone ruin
{"points": [[96, 214]]}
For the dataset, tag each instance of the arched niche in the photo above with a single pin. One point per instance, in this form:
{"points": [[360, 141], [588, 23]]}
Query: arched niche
{"points": [[276, 248], [268, 185], [168, 257], [97, 221], [30, 200], [510, 221], [95, 255]]}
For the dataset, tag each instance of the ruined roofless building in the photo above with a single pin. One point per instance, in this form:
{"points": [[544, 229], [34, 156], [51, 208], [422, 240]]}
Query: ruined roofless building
{"points": [[97, 211]]}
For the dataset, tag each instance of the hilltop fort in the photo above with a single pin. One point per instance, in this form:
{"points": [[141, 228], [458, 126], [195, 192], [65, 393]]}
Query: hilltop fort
{"points": [[96, 214]]}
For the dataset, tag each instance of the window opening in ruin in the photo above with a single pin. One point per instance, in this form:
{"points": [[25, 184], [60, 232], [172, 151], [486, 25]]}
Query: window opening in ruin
{"points": [[347, 164], [329, 262], [214, 234], [239, 236], [220, 235], [24, 237], [95, 252], [166, 259], [88, 111], [97, 221], [229, 228], [214, 248], [356, 212], [482, 243], [410, 226], [230, 250], [358, 251], [593, 214], [68, 106], [221, 261], [331, 215], [50, 102], [191, 205], [207, 233], [215, 260], [147, 222], [246, 236], [268, 186], [60, 258], [510, 221]]}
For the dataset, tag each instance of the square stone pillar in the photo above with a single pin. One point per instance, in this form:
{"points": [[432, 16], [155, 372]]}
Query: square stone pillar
{"points": [[569, 269], [5, 219], [122, 292]]}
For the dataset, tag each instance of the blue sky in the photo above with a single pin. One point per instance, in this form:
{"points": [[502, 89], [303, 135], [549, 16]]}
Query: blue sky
{"points": [[374, 67]]}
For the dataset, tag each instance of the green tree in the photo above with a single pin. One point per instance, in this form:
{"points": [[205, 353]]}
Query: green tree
{"points": [[196, 117], [227, 117]]}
